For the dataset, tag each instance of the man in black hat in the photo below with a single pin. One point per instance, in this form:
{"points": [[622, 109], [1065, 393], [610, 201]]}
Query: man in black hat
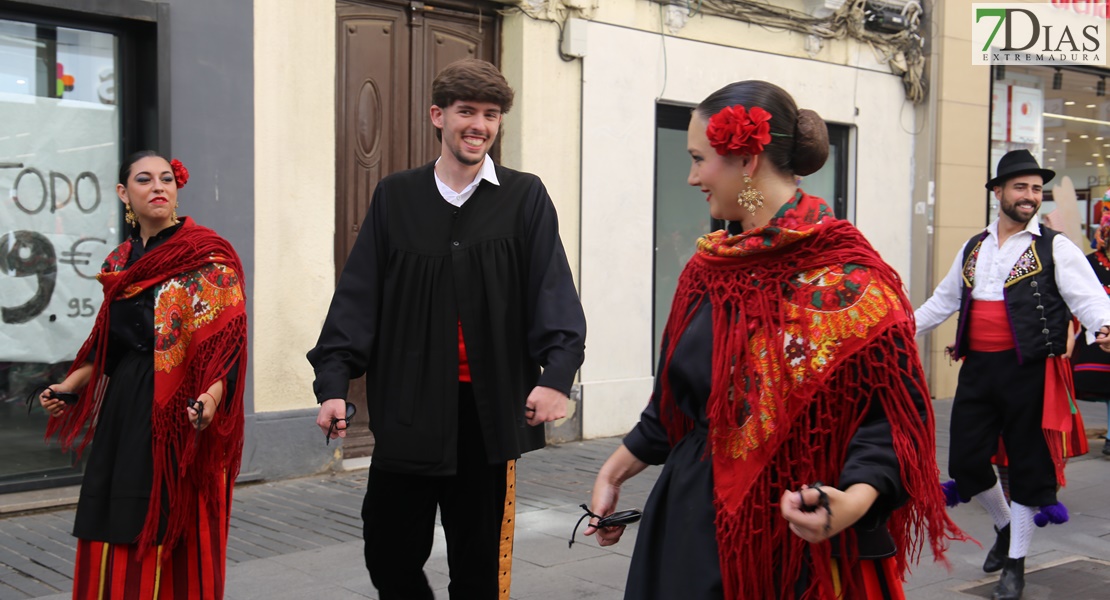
{"points": [[1015, 285]]}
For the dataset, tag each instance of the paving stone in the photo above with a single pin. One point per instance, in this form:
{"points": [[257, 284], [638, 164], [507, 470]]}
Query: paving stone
{"points": [[301, 538], [1084, 579]]}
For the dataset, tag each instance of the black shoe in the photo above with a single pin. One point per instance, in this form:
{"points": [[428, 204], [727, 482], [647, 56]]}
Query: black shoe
{"points": [[1106, 447], [1012, 581], [996, 558]]}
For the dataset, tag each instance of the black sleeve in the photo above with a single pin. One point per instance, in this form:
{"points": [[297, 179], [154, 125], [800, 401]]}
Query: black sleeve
{"points": [[231, 380], [871, 457], [557, 325], [343, 351], [648, 439]]}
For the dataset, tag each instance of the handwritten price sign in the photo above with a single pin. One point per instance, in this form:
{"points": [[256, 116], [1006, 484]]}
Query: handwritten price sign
{"points": [[59, 218], [31, 254]]}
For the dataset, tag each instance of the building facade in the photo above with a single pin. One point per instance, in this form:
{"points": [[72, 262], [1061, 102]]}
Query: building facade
{"points": [[287, 113], [979, 112]]}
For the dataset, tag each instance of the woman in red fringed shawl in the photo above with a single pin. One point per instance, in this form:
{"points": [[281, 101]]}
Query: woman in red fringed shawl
{"points": [[161, 401], [1090, 365], [790, 409]]}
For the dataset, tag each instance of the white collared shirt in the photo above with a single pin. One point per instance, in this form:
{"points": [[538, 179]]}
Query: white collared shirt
{"points": [[1077, 282], [487, 172]]}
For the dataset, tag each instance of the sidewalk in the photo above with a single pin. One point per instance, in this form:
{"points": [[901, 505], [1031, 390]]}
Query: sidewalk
{"points": [[301, 538]]}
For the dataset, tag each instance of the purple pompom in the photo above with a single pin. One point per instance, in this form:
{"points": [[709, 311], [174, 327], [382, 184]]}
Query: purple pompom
{"points": [[951, 495], [1053, 513]]}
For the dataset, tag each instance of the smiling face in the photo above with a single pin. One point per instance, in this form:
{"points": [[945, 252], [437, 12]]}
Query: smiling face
{"points": [[151, 191], [1019, 198], [468, 130], [721, 177]]}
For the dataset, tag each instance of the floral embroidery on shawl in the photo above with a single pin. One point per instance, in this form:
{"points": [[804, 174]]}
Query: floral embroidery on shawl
{"points": [[188, 303]]}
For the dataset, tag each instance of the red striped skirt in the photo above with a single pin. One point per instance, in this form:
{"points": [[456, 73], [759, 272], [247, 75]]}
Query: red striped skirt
{"points": [[877, 578], [193, 570]]}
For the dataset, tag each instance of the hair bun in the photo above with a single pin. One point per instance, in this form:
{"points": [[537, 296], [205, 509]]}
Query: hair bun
{"points": [[811, 143]]}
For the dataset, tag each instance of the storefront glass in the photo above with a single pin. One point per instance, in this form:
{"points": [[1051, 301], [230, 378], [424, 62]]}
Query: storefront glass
{"points": [[1062, 116], [59, 154]]}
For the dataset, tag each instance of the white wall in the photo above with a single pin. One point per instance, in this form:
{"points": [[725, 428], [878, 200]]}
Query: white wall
{"points": [[294, 149], [540, 133], [624, 74]]}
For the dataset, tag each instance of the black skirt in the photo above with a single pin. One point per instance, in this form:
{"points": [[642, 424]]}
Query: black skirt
{"points": [[116, 488]]}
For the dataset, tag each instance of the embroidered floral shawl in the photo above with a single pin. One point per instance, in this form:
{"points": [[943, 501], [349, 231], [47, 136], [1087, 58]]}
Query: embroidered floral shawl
{"points": [[809, 326], [200, 333]]}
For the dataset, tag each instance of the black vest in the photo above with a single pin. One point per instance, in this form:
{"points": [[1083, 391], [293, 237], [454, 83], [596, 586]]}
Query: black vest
{"points": [[1038, 314]]}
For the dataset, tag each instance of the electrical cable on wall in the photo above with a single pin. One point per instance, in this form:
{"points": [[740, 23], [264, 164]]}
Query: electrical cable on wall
{"points": [[541, 10], [901, 46]]}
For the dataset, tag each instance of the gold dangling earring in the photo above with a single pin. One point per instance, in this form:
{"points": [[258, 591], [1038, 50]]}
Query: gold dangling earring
{"points": [[129, 216], [173, 215], [751, 198]]}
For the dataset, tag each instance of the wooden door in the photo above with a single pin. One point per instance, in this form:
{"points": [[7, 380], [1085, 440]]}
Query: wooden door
{"points": [[441, 36], [387, 54]]}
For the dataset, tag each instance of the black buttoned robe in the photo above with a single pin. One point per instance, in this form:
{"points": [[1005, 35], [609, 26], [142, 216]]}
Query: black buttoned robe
{"points": [[419, 267]]}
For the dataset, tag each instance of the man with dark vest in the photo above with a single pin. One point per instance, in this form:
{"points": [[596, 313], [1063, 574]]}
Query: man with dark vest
{"points": [[1015, 285]]}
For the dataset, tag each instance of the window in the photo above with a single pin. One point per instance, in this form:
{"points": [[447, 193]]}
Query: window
{"points": [[831, 181], [1062, 116], [681, 216], [60, 146]]}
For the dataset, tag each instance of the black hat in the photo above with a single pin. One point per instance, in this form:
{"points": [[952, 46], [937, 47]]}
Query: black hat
{"points": [[1018, 162]]}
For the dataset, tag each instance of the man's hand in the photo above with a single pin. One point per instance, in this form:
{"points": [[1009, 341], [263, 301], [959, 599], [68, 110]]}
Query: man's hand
{"points": [[544, 405], [1102, 338], [336, 408]]}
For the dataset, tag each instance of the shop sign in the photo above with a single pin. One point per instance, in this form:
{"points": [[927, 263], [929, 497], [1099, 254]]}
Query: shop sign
{"points": [[1026, 113], [1035, 34], [1000, 113], [59, 218], [1094, 8]]}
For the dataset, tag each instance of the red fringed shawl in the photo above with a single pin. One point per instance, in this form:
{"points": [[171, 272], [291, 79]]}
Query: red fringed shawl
{"points": [[809, 327], [200, 333]]}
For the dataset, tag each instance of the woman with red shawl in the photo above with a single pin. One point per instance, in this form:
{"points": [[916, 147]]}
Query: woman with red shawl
{"points": [[160, 397], [1090, 365], [790, 409]]}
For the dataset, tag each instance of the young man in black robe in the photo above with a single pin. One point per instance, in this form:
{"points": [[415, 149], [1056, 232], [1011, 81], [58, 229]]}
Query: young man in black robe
{"points": [[456, 294]]}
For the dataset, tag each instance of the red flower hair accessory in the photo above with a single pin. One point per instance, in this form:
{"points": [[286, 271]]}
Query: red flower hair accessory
{"points": [[180, 173], [736, 130]]}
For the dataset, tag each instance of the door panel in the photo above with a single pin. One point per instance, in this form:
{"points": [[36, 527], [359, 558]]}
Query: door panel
{"points": [[371, 140], [372, 136], [387, 54], [440, 38]]}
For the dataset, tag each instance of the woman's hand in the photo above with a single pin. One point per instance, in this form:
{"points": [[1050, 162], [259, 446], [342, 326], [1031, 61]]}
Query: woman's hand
{"points": [[844, 509], [621, 465], [75, 382], [54, 406], [203, 419], [604, 503]]}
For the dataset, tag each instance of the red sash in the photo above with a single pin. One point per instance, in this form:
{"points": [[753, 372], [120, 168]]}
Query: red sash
{"points": [[989, 328]]}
